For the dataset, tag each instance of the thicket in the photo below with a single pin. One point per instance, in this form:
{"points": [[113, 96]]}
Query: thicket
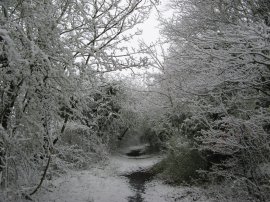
{"points": [[57, 109], [213, 87]]}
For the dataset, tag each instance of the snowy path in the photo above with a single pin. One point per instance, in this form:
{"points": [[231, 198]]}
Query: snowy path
{"points": [[108, 184], [105, 184]]}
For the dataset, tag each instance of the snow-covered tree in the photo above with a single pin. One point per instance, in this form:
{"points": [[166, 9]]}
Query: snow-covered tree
{"points": [[217, 70], [52, 56]]}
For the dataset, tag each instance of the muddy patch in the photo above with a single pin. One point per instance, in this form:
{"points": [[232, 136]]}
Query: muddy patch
{"points": [[135, 153], [137, 181]]}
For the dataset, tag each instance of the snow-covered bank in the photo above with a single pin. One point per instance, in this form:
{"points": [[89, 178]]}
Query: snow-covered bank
{"points": [[108, 183], [123, 164], [86, 186], [103, 184], [159, 192]]}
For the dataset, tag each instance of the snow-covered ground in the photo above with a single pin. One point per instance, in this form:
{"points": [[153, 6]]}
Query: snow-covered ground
{"points": [[122, 164], [157, 191], [87, 186], [107, 184], [100, 184]]}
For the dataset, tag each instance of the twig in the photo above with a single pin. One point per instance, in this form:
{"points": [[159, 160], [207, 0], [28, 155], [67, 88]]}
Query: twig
{"points": [[43, 177]]}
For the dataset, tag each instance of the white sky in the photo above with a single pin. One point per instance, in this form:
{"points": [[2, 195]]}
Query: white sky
{"points": [[151, 26], [150, 34]]}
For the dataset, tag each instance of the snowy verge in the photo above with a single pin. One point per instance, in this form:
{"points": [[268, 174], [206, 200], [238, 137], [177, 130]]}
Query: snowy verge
{"points": [[87, 186], [124, 164], [105, 183], [157, 191]]}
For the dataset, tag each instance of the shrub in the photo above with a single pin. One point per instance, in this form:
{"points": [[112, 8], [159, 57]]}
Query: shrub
{"points": [[181, 165]]}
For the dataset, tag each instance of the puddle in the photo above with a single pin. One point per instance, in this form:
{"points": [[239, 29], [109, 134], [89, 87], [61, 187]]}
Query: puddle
{"points": [[135, 152], [137, 180]]}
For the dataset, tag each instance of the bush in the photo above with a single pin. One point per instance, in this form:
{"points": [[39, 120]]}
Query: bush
{"points": [[181, 165]]}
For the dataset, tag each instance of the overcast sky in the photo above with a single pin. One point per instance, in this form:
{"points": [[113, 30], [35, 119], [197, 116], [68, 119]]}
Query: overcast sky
{"points": [[151, 26], [150, 34]]}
